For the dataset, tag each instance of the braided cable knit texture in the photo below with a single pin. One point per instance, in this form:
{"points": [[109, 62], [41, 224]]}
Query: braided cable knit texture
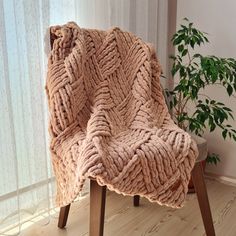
{"points": [[109, 120]]}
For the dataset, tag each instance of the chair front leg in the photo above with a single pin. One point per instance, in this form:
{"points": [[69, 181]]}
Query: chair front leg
{"points": [[201, 191], [63, 216], [97, 208]]}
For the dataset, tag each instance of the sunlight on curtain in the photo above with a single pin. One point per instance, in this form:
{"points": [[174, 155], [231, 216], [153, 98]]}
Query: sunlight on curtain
{"points": [[26, 178]]}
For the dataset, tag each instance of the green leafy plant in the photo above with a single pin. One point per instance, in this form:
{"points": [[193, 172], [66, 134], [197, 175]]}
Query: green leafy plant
{"points": [[194, 73]]}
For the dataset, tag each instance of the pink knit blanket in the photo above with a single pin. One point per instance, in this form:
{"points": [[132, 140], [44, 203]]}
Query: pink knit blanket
{"points": [[109, 120]]}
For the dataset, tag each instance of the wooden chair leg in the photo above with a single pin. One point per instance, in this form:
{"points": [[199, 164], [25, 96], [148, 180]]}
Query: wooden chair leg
{"points": [[97, 208], [136, 200], [200, 188], [63, 216]]}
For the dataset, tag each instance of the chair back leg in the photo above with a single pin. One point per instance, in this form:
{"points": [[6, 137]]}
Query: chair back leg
{"points": [[97, 208], [63, 216], [136, 200], [200, 188]]}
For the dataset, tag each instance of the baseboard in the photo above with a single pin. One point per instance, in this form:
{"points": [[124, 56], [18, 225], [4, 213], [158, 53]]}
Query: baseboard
{"points": [[223, 179]]}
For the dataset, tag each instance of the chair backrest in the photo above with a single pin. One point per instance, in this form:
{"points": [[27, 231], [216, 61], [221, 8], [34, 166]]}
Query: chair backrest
{"points": [[53, 37]]}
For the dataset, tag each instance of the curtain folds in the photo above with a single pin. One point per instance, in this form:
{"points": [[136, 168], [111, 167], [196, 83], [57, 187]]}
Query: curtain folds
{"points": [[27, 184]]}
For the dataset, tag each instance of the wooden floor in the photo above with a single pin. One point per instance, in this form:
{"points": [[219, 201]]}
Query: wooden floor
{"points": [[122, 219]]}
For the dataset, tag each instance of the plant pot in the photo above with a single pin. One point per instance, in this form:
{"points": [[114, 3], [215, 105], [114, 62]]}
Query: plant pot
{"points": [[203, 150], [190, 185]]}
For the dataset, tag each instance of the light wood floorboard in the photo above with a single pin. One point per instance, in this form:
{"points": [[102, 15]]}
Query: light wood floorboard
{"points": [[150, 219]]}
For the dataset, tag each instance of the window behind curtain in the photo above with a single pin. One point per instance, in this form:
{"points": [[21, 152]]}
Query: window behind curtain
{"points": [[26, 179]]}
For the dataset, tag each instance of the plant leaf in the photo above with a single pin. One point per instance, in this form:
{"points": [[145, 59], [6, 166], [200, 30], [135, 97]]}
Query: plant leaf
{"points": [[229, 90]]}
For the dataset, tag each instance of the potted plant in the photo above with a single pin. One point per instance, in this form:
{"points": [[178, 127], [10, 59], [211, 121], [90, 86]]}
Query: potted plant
{"points": [[193, 110]]}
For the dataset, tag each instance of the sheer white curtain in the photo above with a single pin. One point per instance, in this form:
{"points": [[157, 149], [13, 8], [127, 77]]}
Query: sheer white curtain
{"points": [[26, 177]]}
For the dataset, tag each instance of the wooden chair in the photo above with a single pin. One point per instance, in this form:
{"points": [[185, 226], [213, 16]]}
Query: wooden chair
{"points": [[98, 199]]}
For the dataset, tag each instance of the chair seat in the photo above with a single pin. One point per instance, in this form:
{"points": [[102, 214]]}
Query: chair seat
{"points": [[202, 147]]}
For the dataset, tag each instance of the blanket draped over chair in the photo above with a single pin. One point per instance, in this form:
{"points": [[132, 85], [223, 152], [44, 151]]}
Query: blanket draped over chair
{"points": [[109, 120]]}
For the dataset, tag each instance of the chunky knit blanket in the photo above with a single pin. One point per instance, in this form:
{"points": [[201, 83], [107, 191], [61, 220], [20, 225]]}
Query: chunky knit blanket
{"points": [[109, 120]]}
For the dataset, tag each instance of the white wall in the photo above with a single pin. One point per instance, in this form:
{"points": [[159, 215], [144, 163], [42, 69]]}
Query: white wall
{"points": [[218, 18]]}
